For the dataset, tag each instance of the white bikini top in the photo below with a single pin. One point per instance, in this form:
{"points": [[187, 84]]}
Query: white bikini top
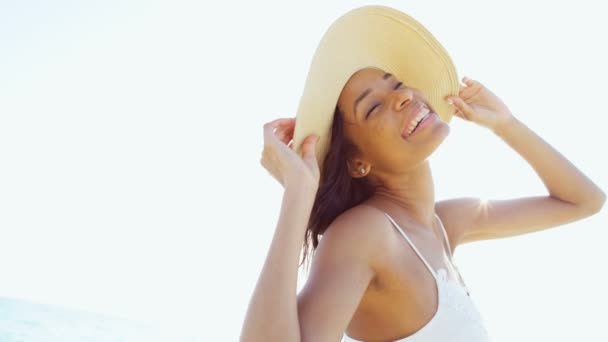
{"points": [[456, 318]]}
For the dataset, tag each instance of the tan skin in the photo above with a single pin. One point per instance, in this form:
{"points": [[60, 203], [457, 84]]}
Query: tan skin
{"points": [[365, 279], [404, 295]]}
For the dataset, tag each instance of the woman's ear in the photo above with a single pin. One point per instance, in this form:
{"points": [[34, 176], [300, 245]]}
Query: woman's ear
{"points": [[358, 168]]}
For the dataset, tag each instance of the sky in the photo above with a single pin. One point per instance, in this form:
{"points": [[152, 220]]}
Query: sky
{"points": [[131, 134]]}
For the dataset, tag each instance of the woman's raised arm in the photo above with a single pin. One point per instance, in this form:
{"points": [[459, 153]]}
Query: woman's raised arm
{"points": [[340, 274], [571, 195]]}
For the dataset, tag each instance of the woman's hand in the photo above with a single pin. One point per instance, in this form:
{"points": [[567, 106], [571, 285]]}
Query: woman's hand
{"points": [[283, 163], [477, 103]]}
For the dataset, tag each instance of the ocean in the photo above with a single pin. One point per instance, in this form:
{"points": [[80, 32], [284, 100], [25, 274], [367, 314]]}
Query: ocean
{"points": [[23, 321]]}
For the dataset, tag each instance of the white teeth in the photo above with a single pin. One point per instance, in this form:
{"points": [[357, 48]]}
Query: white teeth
{"points": [[423, 114]]}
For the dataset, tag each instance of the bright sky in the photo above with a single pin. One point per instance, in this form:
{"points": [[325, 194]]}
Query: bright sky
{"points": [[131, 132]]}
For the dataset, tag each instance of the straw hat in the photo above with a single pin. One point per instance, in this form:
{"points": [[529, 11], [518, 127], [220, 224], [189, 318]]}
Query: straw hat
{"points": [[372, 36]]}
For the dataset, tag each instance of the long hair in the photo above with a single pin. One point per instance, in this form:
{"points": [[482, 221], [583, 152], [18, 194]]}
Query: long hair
{"points": [[337, 192]]}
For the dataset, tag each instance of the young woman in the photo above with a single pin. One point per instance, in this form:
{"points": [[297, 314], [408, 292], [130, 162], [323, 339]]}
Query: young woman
{"points": [[383, 270]]}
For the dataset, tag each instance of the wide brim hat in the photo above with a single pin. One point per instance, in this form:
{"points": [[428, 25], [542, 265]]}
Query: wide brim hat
{"points": [[377, 37]]}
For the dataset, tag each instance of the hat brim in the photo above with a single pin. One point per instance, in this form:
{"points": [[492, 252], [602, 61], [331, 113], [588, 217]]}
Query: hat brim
{"points": [[377, 37]]}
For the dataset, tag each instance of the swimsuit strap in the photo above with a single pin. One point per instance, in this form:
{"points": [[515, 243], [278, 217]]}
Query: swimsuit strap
{"points": [[445, 236], [412, 244]]}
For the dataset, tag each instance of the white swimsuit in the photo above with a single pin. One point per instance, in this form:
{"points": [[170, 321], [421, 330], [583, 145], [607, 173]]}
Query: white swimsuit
{"points": [[456, 318]]}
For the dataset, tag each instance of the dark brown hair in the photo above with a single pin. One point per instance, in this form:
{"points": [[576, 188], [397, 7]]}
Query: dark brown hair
{"points": [[338, 191]]}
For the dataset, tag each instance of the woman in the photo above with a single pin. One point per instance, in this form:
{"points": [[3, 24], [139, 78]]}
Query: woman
{"points": [[382, 270]]}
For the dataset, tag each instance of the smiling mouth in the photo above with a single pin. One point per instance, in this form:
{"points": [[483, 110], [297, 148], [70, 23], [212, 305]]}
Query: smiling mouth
{"points": [[413, 125]]}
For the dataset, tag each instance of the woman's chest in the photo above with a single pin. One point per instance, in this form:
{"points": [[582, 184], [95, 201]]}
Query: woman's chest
{"points": [[403, 298]]}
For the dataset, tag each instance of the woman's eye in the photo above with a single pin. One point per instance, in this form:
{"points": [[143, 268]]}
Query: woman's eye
{"points": [[397, 86], [372, 109]]}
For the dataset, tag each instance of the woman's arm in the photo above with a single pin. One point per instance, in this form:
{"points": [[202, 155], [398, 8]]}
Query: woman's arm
{"points": [[571, 195], [272, 314], [564, 182], [342, 268]]}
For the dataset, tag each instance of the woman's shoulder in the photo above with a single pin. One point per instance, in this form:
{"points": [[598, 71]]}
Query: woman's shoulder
{"points": [[363, 228], [361, 219]]}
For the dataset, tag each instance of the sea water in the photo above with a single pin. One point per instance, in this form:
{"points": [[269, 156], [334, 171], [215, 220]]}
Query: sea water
{"points": [[23, 321]]}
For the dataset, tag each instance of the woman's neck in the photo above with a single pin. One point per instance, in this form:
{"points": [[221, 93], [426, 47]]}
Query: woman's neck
{"points": [[412, 193]]}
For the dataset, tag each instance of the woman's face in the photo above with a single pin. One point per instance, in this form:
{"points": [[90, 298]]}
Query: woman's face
{"points": [[387, 121]]}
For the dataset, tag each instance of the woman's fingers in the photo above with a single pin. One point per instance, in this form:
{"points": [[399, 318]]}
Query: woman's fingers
{"points": [[272, 125], [463, 109], [460, 115], [288, 137], [279, 158], [285, 133], [468, 81], [309, 153], [470, 88], [270, 128]]}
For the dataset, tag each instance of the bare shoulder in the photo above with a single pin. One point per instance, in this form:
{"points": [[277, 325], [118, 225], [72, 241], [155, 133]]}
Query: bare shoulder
{"points": [[342, 269], [362, 219], [356, 238], [358, 231]]}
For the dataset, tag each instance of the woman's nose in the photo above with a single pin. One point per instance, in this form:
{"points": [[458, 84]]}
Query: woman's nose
{"points": [[402, 98]]}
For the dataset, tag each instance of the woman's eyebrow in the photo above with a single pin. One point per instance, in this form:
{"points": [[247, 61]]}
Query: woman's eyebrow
{"points": [[366, 92]]}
